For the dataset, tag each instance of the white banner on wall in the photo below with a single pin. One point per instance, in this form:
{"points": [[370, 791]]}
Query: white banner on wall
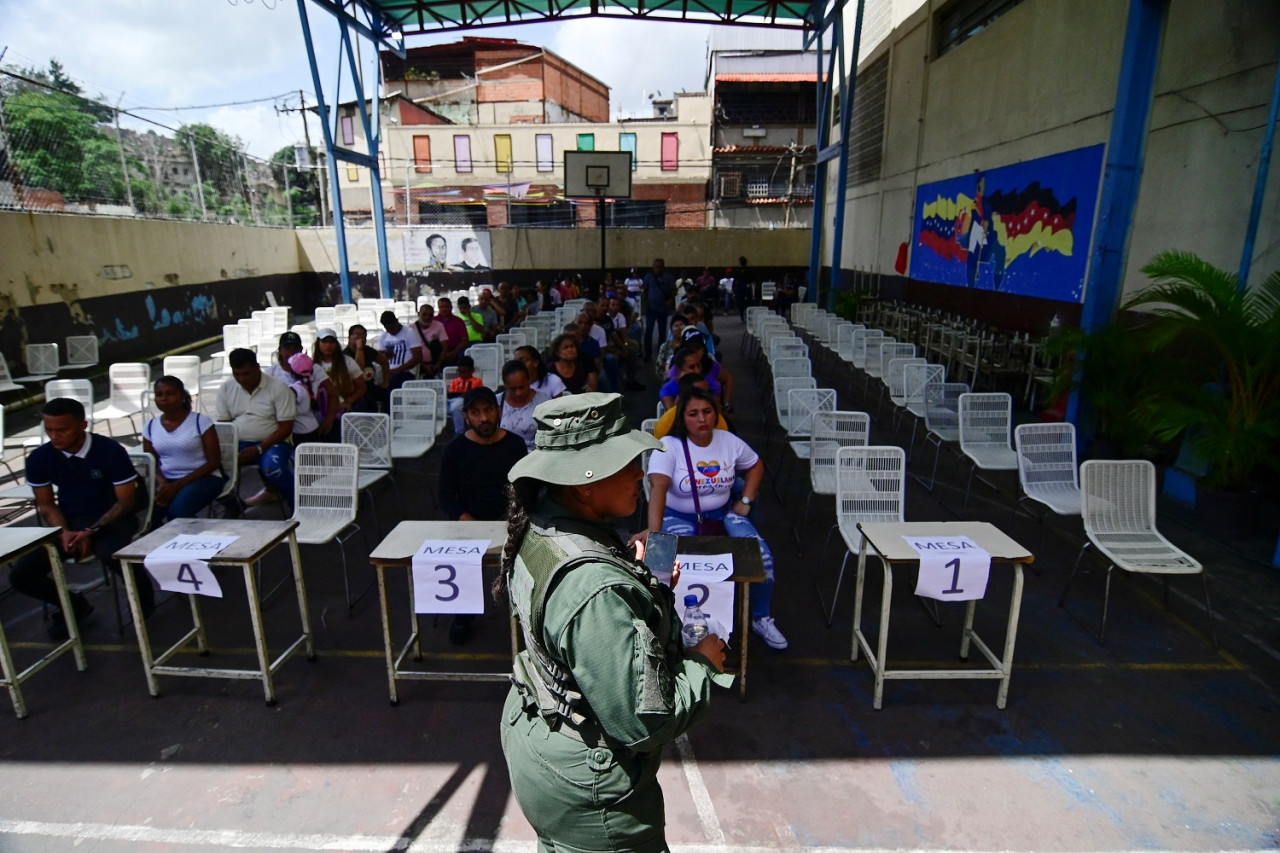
{"points": [[439, 249]]}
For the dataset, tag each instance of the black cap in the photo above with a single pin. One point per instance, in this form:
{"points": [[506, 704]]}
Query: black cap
{"points": [[691, 333], [291, 339], [475, 395]]}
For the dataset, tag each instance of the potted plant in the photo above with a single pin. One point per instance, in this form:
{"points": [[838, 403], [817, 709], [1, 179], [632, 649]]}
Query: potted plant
{"points": [[1225, 347]]}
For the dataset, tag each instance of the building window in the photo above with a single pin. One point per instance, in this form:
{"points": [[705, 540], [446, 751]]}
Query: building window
{"points": [[627, 142], [348, 130], [964, 19], [353, 174], [586, 142], [502, 152], [462, 153], [422, 154], [546, 153], [670, 152]]}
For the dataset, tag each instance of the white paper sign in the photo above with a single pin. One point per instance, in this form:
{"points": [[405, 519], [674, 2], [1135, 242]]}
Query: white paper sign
{"points": [[706, 576], [447, 576], [952, 568], [181, 564]]}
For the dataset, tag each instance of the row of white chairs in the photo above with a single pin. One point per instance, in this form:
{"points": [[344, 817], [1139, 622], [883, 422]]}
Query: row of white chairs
{"points": [[1115, 498]]}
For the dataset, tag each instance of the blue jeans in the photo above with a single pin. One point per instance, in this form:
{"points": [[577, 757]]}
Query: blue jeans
{"points": [[276, 466], [655, 331], [739, 527], [193, 497], [611, 372]]}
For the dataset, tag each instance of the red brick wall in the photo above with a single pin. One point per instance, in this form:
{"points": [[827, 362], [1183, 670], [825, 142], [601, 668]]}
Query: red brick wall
{"points": [[496, 213], [411, 114], [575, 91], [686, 203]]}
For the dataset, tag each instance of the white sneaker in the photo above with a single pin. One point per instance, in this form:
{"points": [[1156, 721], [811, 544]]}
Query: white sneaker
{"points": [[769, 632]]}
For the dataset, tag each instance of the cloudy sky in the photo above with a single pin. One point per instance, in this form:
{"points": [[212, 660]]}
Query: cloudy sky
{"points": [[179, 53]]}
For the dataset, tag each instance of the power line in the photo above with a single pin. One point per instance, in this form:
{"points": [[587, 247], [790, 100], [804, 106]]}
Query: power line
{"points": [[212, 106]]}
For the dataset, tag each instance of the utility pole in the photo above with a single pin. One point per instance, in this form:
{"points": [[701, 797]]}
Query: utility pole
{"points": [[124, 166], [288, 196]]}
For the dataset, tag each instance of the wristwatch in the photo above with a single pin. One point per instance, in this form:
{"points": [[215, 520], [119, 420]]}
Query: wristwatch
{"points": [[746, 500]]}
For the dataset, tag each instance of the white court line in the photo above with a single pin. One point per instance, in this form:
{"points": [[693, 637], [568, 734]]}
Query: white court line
{"points": [[698, 789], [285, 841]]}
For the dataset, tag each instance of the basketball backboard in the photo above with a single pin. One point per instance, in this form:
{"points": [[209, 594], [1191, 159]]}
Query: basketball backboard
{"points": [[597, 174]]}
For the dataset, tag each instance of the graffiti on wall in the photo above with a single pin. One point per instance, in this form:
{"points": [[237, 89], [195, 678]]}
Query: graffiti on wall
{"points": [[1021, 229]]}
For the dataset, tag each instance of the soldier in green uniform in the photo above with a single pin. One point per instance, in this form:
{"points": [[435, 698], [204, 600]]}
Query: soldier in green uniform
{"points": [[604, 681]]}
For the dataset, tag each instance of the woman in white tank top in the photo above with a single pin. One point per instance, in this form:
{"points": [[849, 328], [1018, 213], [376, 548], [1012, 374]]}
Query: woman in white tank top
{"points": [[188, 456]]}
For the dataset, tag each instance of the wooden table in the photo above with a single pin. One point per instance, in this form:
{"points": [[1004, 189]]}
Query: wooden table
{"points": [[14, 543], [748, 568], [397, 550], [256, 538], [893, 550]]}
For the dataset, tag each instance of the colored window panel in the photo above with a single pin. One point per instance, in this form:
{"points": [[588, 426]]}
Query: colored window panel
{"points": [[462, 153], [670, 152], [422, 153], [627, 142], [353, 174], [546, 153], [348, 130], [502, 152], [586, 142]]}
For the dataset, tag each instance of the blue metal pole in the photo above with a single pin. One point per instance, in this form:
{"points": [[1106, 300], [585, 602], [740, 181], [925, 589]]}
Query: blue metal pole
{"points": [[371, 135], [819, 175], [846, 126], [1122, 174], [334, 194], [1259, 188]]}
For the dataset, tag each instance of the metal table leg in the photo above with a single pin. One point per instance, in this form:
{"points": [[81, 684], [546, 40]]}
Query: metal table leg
{"points": [[386, 632], [140, 626], [259, 638]]}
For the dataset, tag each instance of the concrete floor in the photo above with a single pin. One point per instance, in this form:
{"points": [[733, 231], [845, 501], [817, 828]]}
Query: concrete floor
{"points": [[1155, 741]]}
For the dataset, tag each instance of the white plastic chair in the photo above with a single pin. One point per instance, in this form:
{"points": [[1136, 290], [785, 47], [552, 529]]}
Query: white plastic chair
{"points": [[413, 422], [782, 387], [1047, 466], [126, 383], [76, 389], [986, 427], [325, 477], [862, 339], [1119, 510], [844, 341], [870, 487], [917, 376], [6, 378], [42, 363], [186, 368], [942, 420], [831, 431], [229, 444], [82, 351], [207, 391], [370, 433], [488, 359]]}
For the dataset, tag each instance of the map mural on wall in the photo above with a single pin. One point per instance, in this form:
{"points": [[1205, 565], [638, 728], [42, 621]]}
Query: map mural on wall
{"points": [[1021, 229]]}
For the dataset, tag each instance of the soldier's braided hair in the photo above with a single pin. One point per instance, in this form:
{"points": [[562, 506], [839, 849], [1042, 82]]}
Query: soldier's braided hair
{"points": [[520, 497]]}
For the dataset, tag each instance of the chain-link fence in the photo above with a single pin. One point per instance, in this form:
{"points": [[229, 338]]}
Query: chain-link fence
{"points": [[63, 152]]}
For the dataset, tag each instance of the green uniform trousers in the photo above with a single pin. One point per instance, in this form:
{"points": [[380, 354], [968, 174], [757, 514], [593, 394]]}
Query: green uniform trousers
{"points": [[579, 798]]}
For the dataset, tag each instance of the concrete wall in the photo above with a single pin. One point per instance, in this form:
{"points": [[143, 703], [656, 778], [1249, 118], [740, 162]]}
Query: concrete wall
{"points": [[141, 286], [1042, 80]]}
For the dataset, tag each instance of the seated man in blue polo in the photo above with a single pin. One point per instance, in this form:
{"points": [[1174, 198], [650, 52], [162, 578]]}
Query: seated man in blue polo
{"points": [[263, 409], [96, 493]]}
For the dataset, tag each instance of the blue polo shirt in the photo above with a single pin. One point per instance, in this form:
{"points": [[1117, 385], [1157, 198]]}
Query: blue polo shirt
{"points": [[86, 481]]}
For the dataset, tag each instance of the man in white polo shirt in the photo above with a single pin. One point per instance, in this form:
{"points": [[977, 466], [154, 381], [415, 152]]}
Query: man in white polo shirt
{"points": [[262, 408]]}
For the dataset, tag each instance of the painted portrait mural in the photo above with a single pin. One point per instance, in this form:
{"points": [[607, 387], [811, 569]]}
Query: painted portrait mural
{"points": [[1021, 229], [446, 250]]}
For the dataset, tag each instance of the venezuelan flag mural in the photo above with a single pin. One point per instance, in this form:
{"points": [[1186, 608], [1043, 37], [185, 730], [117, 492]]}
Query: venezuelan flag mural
{"points": [[1021, 229]]}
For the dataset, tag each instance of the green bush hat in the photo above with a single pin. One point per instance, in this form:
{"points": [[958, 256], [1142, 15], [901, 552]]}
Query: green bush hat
{"points": [[582, 438]]}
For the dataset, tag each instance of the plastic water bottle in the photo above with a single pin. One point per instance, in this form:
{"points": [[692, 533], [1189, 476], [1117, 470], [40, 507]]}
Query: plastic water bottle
{"points": [[695, 622]]}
